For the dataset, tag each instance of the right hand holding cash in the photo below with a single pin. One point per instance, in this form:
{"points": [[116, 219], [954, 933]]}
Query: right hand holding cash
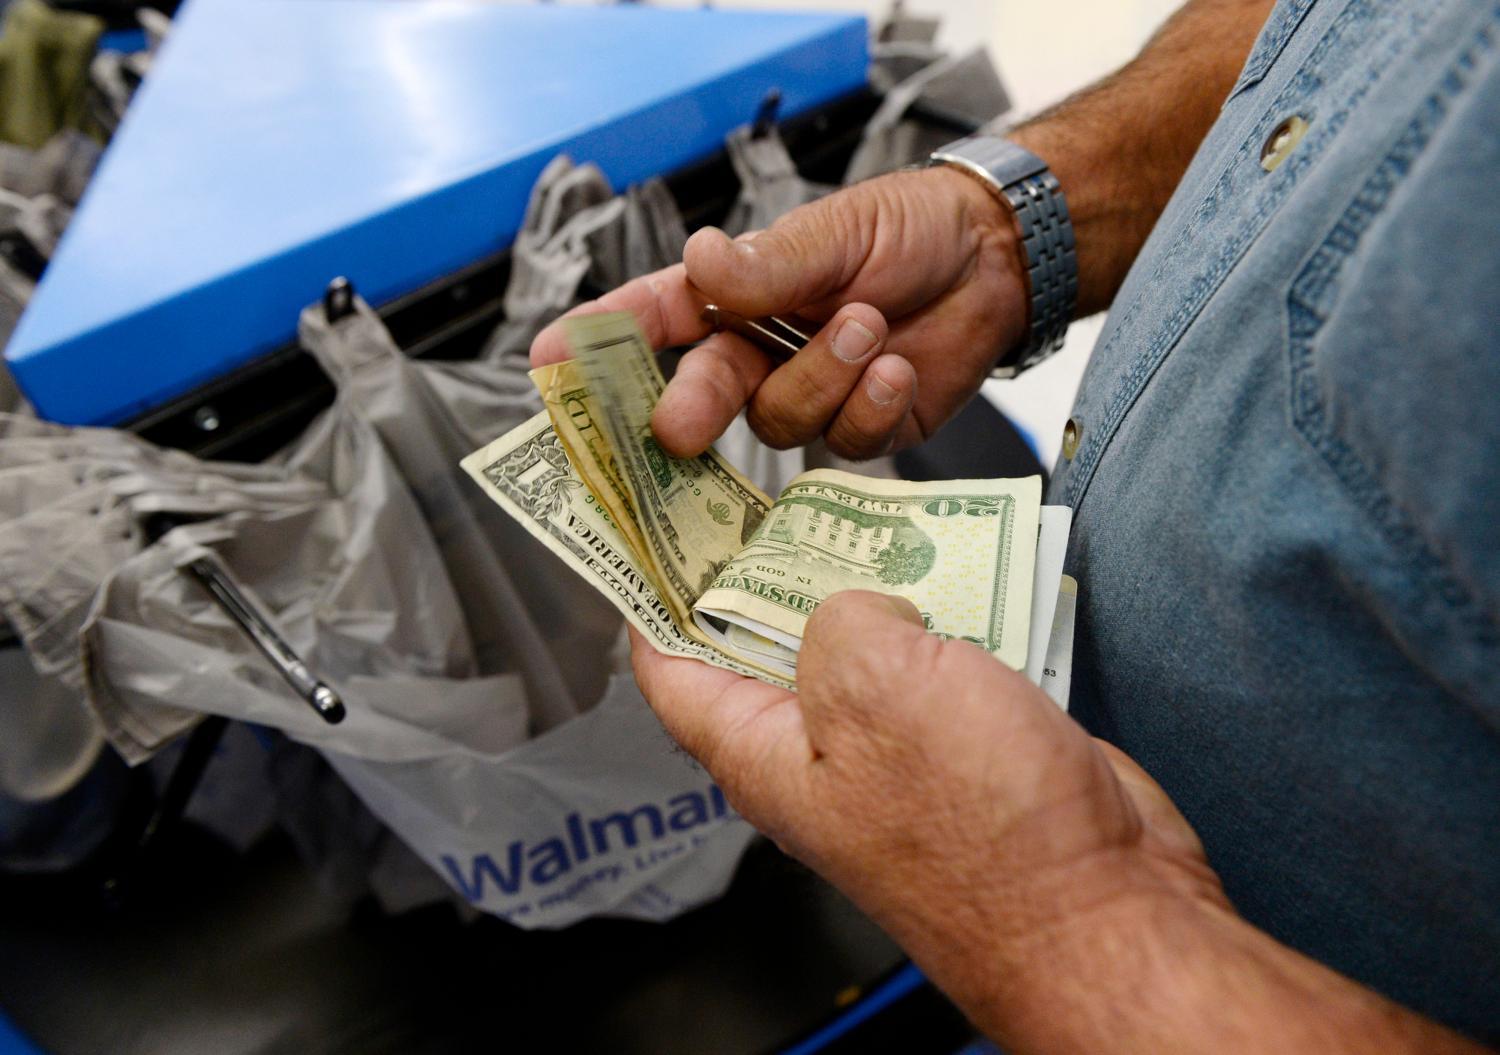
{"points": [[705, 565]]}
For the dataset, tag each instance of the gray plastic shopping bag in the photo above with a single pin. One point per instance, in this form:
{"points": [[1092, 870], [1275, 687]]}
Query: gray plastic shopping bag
{"points": [[577, 232], [333, 548], [964, 92], [769, 182], [525, 611], [334, 552], [601, 814], [71, 506], [551, 255]]}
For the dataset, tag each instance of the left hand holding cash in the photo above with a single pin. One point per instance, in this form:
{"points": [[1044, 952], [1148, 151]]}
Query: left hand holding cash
{"points": [[975, 821], [915, 278], [825, 388]]}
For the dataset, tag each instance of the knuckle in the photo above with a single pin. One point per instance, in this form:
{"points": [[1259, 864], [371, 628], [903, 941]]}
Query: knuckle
{"points": [[822, 242], [717, 377], [779, 424], [813, 387], [849, 440]]}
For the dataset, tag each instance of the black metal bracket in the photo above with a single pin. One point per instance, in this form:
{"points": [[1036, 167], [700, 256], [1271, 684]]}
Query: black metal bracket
{"points": [[338, 299], [765, 115]]}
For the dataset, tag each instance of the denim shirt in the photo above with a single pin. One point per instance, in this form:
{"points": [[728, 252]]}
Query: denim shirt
{"points": [[1287, 530]]}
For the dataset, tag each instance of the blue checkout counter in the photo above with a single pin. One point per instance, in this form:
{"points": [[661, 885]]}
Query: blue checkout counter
{"points": [[279, 143]]}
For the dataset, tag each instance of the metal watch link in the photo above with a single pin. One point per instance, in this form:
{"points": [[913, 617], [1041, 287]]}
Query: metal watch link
{"points": [[1024, 181]]}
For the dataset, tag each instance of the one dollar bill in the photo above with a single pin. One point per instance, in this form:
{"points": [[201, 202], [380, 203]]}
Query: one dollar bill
{"points": [[528, 474], [692, 514]]}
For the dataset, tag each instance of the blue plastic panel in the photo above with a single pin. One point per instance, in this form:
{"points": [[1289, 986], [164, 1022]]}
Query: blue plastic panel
{"points": [[278, 143]]}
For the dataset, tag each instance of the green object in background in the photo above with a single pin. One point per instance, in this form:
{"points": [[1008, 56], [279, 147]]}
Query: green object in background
{"points": [[44, 71]]}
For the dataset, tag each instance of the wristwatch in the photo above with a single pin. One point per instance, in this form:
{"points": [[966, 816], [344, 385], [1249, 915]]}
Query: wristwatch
{"points": [[1027, 185]]}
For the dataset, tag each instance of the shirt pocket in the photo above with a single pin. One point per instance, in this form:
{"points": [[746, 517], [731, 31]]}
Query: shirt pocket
{"points": [[1391, 328], [1283, 21]]}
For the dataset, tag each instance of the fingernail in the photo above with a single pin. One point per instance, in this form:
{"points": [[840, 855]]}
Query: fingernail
{"points": [[852, 342], [879, 391], [905, 609], [712, 234]]}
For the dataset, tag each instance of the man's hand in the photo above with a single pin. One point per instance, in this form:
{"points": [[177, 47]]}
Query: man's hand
{"points": [[948, 796], [916, 277], [1038, 876]]}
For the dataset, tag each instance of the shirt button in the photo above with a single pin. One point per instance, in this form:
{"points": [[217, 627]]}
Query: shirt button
{"points": [[1071, 433], [1281, 142]]}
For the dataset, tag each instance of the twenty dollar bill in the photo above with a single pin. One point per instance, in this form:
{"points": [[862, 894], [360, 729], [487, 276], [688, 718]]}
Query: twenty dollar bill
{"points": [[962, 551]]}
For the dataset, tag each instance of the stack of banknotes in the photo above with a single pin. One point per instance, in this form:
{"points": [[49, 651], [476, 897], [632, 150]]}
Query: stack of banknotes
{"points": [[706, 565]]}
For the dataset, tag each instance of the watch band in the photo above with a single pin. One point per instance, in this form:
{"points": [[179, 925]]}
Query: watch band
{"points": [[1025, 182]]}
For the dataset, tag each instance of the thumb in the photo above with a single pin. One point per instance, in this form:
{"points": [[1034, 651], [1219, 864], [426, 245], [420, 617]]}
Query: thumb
{"points": [[856, 649], [809, 254], [1157, 810], [903, 608]]}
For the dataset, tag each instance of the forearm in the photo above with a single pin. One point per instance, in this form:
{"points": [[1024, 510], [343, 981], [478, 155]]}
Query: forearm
{"points": [[1120, 147], [1174, 975]]}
